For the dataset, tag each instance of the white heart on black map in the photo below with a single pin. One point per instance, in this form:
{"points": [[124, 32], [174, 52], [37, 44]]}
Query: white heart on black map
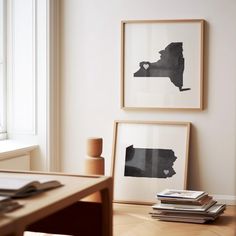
{"points": [[145, 66], [166, 172]]}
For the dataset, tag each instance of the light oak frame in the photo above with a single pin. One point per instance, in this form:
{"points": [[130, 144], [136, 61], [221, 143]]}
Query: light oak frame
{"points": [[202, 23], [169, 123]]}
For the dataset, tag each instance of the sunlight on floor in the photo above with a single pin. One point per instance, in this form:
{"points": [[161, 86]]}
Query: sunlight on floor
{"points": [[27, 233]]}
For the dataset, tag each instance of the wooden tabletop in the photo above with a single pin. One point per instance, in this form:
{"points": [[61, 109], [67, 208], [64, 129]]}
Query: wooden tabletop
{"points": [[36, 207]]}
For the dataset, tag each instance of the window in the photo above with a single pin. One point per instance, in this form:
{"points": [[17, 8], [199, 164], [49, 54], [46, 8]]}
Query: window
{"points": [[29, 86], [2, 69]]}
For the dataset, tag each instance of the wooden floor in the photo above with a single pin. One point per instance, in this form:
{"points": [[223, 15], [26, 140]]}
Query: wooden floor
{"points": [[133, 220]]}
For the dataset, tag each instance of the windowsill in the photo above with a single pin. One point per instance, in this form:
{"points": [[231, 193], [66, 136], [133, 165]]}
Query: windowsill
{"points": [[3, 136], [12, 148]]}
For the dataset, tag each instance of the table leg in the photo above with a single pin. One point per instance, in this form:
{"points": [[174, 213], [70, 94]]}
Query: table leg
{"points": [[107, 211]]}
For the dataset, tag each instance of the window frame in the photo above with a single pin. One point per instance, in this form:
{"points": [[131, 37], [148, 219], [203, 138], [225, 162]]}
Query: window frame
{"points": [[3, 80]]}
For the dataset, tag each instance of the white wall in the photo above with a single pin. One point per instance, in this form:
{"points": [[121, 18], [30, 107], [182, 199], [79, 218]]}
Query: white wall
{"points": [[90, 84]]}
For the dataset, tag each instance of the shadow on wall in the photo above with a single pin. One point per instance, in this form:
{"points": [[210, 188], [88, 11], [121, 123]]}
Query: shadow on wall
{"points": [[194, 172]]}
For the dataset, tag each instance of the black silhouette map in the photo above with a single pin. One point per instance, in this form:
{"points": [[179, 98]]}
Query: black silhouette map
{"points": [[149, 162], [171, 64]]}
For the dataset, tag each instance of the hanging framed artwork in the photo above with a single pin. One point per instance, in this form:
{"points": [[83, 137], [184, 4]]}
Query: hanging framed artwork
{"points": [[162, 64], [148, 157]]}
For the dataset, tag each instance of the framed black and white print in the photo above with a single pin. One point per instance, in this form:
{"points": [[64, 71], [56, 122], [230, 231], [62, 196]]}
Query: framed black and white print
{"points": [[149, 157], [162, 64]]}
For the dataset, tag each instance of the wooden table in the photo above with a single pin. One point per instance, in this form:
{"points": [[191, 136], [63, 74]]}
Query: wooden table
{"points": [[59, 211]]}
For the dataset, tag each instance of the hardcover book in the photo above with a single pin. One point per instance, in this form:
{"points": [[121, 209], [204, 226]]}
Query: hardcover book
{"points": [[186, 194], [164, 206], [204, 199]]}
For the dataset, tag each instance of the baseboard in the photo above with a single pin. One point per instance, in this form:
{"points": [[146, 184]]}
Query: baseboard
{"points": [[226, 199]]}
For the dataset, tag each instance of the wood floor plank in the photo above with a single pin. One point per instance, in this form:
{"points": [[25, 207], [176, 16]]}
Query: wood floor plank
{"points": [[134, 220]]}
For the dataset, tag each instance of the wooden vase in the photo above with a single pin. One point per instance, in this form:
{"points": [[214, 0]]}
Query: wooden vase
{"points": [[94, 147], [94, 162]]}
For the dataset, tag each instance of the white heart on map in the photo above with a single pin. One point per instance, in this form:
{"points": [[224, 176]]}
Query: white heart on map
{"points": [[166, 172], [145, 66]]}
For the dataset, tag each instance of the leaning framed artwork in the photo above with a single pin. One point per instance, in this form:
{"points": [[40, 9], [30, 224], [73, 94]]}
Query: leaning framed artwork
{"points": [[148, 157], [162, 64]]}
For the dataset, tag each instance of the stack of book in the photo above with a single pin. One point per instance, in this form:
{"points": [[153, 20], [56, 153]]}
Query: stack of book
{"points": [[12, 188], [186, 206]]}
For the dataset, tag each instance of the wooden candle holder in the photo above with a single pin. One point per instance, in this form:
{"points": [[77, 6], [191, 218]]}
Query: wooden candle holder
{"points": [[94, 163], [94, 147]]}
